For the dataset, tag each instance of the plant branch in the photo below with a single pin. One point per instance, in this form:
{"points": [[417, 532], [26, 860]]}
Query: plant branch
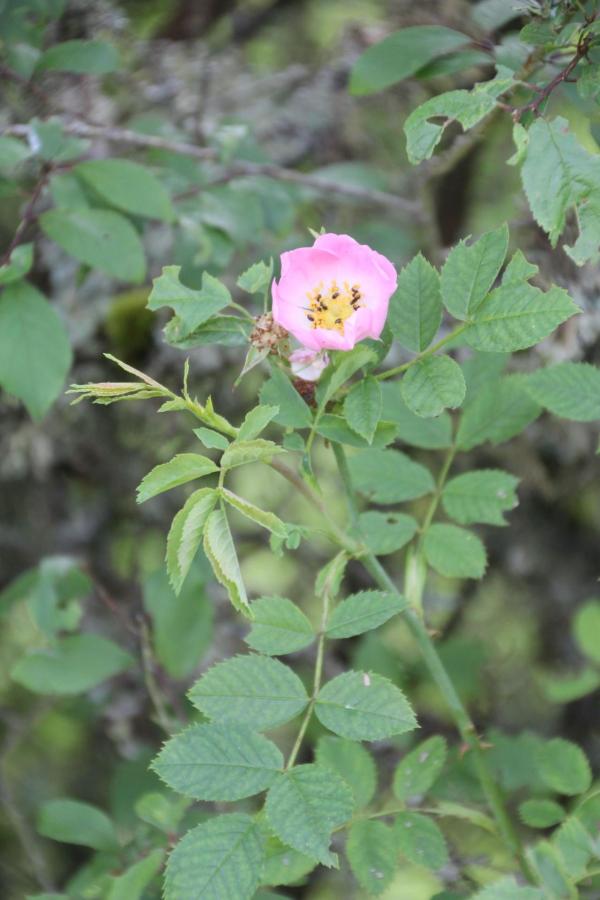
{"points": [[27, 217], [398, 370], [543, 93]]}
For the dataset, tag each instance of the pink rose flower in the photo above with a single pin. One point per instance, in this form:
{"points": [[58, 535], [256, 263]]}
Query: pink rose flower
{"points": [[308, 364], [333, 294]]}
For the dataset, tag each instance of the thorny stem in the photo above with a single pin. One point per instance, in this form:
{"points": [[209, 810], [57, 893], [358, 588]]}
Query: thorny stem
{"points": [[398, 370]]}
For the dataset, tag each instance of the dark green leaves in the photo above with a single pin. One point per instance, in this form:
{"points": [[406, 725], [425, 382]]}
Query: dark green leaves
{"points": [[420, 768], [363, 611], [192, 308], [218, 860], [416, 307], [83, 57], [454, 552], [372, 853], [470, 271], [35, 355], [400, 55], [386, 532], [364, 707], [218, 762], [305, 805], [563, 766], [254, 690], [100, 238], [71, 665], [500, 410], [480, 496], [76, 823], [432, 385], [362, 407], [570, 390], [420, 840], [278, 627], [541, 813], [128, 186], [182, 468], [293, 411], [389, 476]]}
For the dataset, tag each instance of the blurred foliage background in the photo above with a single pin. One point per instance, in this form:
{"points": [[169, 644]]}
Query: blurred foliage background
{"points": [[258, 81]]}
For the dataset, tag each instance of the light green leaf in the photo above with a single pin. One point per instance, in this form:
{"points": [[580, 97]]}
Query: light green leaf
{"points": [[500, 410], [400, 55], [217, 860], [508, 889], [389, 476], [283, 864], [253, 690], [519, 269], [514, 317], [541, 813], [262, 517], [230, 331], [470, 271], [128, 186], [293, 411], [73, 822], [71, 665], [550, 871], [100, 238], [305, 805], [335, 428], [222, 555], [256, 421], [362, 407], [182, 624], [353, 762], [570, 390], [218, 762], [132, 883], [182, 468], [257, 278], [35, 355], [386, 532], [565, 687], [193, 308], [364, 707], [416, 307], [564, 767], [418, 771], [454, 552], [575, 846], [362, 612], [586, 629], [211, 439], [185, 534], [52, 142], [430, 434], [12, 154], [480, 496], [420, 840], [18, 265], [82, 57], [279, 627], [372, 854], [242, 452], [432, 385]]}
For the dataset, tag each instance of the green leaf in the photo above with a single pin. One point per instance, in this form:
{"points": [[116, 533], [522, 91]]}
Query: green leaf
{"points": [[293, 411], [279, 627], [389, 476], [283, 864], [564, 688], [575, 846], [514, 317], [83, 57], [586, 629], [429, 434], [185, 534], [570, 390], [541, 813], [128, 186], [132, 883], [230, 331], [256, 421], [217, 860], [362, 612], [480, 496], [193, 308], [240, 453], [254, 690], [416, 308], [508, 889], [35, 355], [432, 385], [222, 555], [262, 517], [18, 265], [372, 854], [182, 624], [466, 107], [564, 767], [418, 771], [257, 278], [454, 552], [182, 468], [362, 407], [400, 55], [420, 840], [364, 707], [386, 532], [12, 154], [344, 366], [100, 238], [500, 410], [73, 822], [211, 439], [471, 270], [335, 428], [218, 762], [549, 870], [353, 762], [305, 805], [71, 665]]}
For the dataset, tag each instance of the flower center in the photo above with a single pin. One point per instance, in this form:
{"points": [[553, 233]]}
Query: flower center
{"points": [[329, 308]]}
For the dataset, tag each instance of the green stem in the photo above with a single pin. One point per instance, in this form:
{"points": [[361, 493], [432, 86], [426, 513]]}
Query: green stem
{"points": [[382, 376]]}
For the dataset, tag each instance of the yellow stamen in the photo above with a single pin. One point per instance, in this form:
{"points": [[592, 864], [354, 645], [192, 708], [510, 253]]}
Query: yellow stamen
{"points": [[329, 308]]}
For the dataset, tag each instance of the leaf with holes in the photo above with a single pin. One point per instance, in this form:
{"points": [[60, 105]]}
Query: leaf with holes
{"points": [[364, 707], [193, 308], [470, 271], [386, 532]]}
